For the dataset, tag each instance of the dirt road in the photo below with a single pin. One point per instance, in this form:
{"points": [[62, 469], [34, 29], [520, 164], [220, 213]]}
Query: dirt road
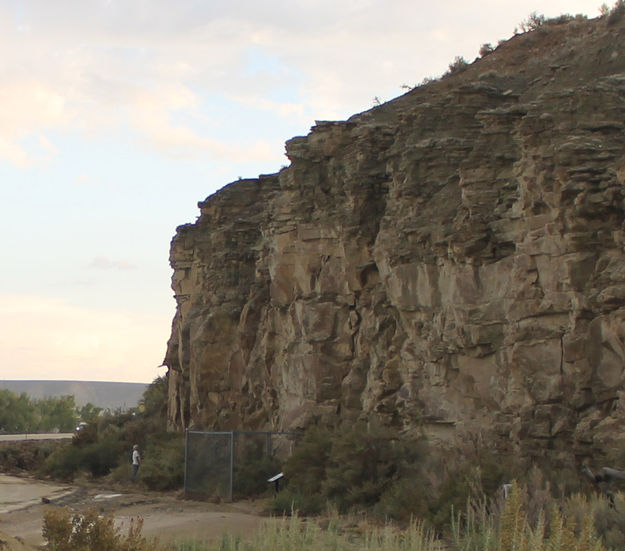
{"points": [[165, 516]]}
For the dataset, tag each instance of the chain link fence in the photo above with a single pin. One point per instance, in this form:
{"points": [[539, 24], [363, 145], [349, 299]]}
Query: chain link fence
{"points": [[233, 464]]}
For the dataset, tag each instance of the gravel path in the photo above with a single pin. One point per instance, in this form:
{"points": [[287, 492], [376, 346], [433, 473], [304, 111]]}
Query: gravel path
{"points": [[165, 516]]}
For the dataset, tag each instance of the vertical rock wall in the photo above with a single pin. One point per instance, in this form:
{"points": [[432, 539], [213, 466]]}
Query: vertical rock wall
{"points": [[451, 262]]}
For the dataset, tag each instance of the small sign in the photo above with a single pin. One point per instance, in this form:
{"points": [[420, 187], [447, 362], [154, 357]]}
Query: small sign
{"points": [[276, 477]]}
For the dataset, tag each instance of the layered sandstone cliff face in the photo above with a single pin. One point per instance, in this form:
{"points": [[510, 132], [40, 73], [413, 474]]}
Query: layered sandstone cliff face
{"points": [[451, 262]]}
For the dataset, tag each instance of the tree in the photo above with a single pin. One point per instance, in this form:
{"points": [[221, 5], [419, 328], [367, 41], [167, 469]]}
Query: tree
{"points": [[88, 413], [17, 413], [56, 413], [154, 402]]}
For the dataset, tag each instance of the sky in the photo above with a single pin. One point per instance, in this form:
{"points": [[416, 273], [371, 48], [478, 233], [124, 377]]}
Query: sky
{"points": [[118, 116]]}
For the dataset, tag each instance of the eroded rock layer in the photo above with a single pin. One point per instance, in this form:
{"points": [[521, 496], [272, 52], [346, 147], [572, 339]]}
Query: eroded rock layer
{"points": [[451, 262]]}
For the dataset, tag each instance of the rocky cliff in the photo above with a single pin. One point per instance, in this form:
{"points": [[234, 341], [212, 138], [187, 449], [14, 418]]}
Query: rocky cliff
{"points": [[451, 262]]}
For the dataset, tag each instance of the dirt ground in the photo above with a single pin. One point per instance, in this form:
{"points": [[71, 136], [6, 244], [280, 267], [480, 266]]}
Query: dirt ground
{"points": [[165, 516]]}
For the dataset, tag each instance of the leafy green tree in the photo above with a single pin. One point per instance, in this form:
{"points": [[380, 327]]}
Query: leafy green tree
{"points": [[88, 413], [56, 413], [154, 401], [17, 413]]}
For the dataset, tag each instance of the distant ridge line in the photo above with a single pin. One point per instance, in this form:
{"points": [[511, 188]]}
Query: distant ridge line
{"points": [[103, 394]]}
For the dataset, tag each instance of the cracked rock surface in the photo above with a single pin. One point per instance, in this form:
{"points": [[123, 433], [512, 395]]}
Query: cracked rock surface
{"points": [[450, 263]]}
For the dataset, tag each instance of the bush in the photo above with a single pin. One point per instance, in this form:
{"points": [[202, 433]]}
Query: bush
{"points": [[354, 467], [162, 467], [250, 476], [63, 463], [25, 456], [97, 459], [349, 467], [458, 65], [305, 469], [362, 465], [77, 532], [486, 49], [477, 475], [533, 22], [97, 449], [404, 500]]}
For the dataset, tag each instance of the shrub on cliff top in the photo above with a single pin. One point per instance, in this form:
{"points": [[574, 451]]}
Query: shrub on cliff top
{"points": [[458, 65], [616, 13], [534, 21]]}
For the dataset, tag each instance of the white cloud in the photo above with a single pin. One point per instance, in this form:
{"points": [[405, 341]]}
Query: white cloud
{"points": [[109, 65], [29, 107]]}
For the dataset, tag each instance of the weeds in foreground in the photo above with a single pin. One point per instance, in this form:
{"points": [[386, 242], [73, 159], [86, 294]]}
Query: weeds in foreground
{"points": [[483, 527], [292, 533], [497, 525], [66, 531], [553, 530]]}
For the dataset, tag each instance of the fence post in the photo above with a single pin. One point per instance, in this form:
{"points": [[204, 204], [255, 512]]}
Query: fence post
{"points": [[186, 453], [232, 438]]}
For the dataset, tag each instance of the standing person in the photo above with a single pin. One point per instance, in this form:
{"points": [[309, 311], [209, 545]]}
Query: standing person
{"points": [[136, 460]]}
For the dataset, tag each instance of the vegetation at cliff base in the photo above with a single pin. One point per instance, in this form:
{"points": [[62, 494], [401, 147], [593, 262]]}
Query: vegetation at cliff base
{"points": [[355, 467], [103, 446]]}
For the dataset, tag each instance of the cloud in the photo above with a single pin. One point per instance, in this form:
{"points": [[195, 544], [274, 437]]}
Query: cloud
{"points": [[29, 108], [108, 66], [44, 338], [153, 116]]}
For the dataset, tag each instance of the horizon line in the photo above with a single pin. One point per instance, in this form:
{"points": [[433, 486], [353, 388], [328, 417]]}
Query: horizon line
{"points": [[71, 381]]}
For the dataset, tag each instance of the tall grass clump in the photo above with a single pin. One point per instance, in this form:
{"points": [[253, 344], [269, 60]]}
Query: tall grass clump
{"points": [[568, 525], [476, 530], [295, 533]]}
